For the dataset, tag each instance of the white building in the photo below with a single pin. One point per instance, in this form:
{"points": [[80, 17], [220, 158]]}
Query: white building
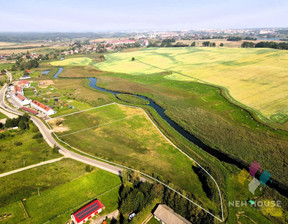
{"points": [[41, 107], [21, 99]]}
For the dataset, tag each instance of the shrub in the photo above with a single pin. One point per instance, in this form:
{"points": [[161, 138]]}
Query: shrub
{"points": [[18, 143], [38, 135]]}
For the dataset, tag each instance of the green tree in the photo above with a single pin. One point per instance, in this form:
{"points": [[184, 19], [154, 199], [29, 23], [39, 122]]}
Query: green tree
{"points": [[55, 149], [23, 125]]}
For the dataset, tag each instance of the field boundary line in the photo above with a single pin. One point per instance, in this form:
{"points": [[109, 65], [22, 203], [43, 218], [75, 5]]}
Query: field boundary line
{"points": [[101, 125], [80, 111], [181, 152], [31, 166], [144, 174]]}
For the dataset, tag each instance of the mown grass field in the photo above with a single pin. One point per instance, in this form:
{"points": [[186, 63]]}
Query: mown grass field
{"points": [[126, 136], [254, 77], [2, 116], [19, 149], [65, 184], [83, 61]]}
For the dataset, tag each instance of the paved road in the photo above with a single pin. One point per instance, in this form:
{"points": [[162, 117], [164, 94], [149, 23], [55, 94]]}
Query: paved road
{"points": [[29, 167], [47, 135]]}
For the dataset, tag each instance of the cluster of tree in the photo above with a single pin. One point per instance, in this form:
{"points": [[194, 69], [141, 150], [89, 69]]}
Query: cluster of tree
{"points": [[247, 44], [234, 38], [22, 64], [208, 44], [185, 208], [136, 196], [250, 38], [21, 121], [272, 44], [167, 42], [180, 44]]}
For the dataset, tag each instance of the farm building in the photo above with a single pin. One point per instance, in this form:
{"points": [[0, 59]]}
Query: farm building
{"points": [[166, 215], [34, 112], [17, 89], [41, 107], [24, 84], [21, 99], [87, 212]]}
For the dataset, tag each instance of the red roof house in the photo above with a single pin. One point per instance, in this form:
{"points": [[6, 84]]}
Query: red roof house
{"points": [[17, 89], [40, 106], [24, 83], [87, 212]]}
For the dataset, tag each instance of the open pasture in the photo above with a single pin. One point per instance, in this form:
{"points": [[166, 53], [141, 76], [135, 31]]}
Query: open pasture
{"points": [[125, 135], [256, 78], [82, 61], [65, 184]]}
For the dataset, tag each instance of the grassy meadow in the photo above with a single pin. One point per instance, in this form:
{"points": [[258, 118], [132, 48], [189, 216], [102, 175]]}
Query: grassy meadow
{"points": [[19, 149], [203, 111], [136, 144], [66, 184]]}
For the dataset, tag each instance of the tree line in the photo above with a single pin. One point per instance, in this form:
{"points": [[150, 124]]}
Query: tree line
{"points": [[232, 38], [266, 44]]}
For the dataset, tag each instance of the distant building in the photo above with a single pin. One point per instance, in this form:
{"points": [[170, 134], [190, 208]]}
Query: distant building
{"points": [[24, 84], [166, 215], [25, 77], [41, 107], [117, 42], [21, 99], [87, 212]]}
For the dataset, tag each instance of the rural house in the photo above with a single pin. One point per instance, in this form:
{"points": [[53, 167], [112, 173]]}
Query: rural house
{"points": [[166, 215], [41, 107]]}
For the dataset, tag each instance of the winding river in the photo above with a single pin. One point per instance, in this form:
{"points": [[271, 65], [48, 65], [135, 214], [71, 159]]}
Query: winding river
{"points": [[161, 112]]}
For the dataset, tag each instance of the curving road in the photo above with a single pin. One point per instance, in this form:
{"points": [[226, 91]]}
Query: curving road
{"points": [[47, 135]]}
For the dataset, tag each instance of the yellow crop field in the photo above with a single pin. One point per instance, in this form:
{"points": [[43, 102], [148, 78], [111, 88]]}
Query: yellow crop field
{"points": [[84, 61], [257, 78]]}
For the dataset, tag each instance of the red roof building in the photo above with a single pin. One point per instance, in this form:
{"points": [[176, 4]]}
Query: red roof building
{"points": [[87, 212], [24, 83], [29, 110], [43, 108], [17, 89], [21, 99]]}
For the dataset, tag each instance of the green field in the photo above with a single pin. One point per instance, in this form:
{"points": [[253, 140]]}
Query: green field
{"points": [[2, 116], [19, 149], [126, 136], [65, 184], [74, 62], [254, 77]]}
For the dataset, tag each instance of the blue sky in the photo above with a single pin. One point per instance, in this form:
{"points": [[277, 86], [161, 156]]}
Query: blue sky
{"points": [[105, 15]]}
